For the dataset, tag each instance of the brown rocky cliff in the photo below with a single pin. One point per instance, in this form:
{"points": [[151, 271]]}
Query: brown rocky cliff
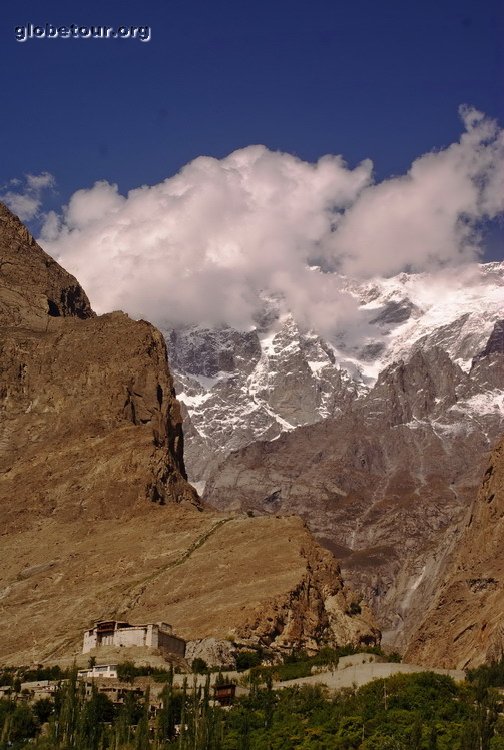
{"points": [[319, 609], [463, 626], [254, 581], [89, 423], [32, 285]]}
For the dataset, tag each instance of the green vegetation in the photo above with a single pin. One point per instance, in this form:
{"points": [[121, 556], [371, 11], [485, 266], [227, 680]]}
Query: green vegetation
{"points": [[199, 666], [488, 675], [127, 671], [354, 609], [8, 675], [248, 660], [299, 664], [424, 711]]}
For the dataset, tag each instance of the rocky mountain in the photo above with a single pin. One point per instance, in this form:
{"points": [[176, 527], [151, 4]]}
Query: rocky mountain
{"points": [[237, 387], [463, 624], [376, 437], [97, 519], [89, 420], [385, 483], [34, 287]]}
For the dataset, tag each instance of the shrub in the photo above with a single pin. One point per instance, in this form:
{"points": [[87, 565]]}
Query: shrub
{"points": [[353, 609], [42, 709], [126, 671], [199, 666], [248, 659]]}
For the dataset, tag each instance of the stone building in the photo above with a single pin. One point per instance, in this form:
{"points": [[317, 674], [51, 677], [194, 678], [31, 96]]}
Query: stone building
{"points": [[157, 635]]}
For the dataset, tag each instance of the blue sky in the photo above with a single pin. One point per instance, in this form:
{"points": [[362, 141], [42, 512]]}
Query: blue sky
{"points": [[364, 79]]}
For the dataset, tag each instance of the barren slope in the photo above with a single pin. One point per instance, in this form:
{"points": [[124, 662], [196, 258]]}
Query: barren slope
{"points": [[463, 627], [207, 574]]}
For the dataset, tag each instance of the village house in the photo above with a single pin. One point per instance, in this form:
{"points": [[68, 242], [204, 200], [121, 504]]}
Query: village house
{"points": [[224, 693], [39, 689], [114, 633], [116, 693], [98, 670]]}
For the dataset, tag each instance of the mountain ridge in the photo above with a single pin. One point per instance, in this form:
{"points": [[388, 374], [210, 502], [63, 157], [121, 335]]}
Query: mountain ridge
{"points": [[97, 519], [254, 385]]}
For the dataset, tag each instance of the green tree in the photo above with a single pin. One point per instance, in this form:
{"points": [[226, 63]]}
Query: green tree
{"points": [[199, 666], [166, 719], [23, 725], [433, 743], [88, 733], [126, 671], [416, 733], [247, 659], [43, 709], [142, 731], [67, 720]]}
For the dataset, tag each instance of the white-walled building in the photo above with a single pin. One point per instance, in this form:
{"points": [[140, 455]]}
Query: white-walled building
{"points": [[157, 635], [99, 670]]}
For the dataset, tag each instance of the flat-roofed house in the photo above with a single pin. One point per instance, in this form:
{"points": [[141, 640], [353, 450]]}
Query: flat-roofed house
{"points": [[158, 635]]}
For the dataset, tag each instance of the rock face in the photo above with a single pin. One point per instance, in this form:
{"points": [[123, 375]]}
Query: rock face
{"points": [[266, 583], [495, 344], [89, 421], [385, 484], [97, 519], [34, 286], [463, 626], [238, 387]]}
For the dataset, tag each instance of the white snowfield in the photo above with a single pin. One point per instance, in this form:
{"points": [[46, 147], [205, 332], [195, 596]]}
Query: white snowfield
{"points": [[454, 311]]}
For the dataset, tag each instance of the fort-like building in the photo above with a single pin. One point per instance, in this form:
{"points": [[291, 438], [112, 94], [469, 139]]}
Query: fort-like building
{"points": [[157, 635]]}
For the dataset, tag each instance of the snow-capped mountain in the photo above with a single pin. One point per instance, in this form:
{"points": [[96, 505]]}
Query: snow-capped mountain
{"points": [[376, 435], [455, 311], [386, 484], [238, 387]]}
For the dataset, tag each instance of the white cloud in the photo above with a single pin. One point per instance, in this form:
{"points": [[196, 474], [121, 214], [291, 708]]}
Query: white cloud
{"points": [[200, 246], [25, 206], [25, 200], [428, 217], [39, 181]]}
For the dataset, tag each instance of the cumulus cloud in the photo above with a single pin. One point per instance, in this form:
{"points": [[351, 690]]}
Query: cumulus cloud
{"points": [[205, 245], [24, 198], [429, 217]]}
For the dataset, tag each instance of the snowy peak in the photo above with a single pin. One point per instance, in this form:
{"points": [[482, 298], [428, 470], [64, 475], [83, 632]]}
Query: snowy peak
{"points": [[242, 386], [239, 387], [453, 311]]}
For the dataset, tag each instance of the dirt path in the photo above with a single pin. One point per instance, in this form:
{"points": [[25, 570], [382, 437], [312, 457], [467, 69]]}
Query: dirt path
{"points": [[134, 596]]}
